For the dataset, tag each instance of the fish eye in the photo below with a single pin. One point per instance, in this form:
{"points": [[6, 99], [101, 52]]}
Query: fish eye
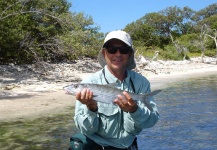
{"points": [[76, 86]]}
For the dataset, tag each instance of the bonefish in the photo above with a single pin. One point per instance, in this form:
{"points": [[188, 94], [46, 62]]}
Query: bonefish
{"points": [[107, 93]]}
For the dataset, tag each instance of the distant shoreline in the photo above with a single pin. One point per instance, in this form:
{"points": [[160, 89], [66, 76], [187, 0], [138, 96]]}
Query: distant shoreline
{"points": [[158, 81]]}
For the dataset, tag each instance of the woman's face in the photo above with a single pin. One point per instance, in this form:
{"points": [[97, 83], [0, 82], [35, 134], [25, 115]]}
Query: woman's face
{"points": [[116, 55]]}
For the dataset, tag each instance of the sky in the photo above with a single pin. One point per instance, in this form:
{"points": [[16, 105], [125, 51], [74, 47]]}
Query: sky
{"points": [[116, 14]]}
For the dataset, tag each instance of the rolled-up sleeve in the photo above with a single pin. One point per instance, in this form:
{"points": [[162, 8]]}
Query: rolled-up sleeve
{"points": [[86, 120]]}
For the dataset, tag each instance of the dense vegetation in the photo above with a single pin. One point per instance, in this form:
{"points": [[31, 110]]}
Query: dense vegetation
{"points": [[38, 30], [175, 32]]}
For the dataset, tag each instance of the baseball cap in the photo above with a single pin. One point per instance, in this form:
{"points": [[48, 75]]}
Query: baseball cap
{"points": [[124, 37]]}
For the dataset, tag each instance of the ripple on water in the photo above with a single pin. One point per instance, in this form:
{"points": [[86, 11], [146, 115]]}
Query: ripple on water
{"points": [[188, 117]]}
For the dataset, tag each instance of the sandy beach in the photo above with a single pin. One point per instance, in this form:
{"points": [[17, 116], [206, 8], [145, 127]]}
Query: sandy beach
{"points": [[19, 100]]}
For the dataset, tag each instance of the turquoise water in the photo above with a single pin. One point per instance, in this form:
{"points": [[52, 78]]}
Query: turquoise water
{"points": [[188, 119]]}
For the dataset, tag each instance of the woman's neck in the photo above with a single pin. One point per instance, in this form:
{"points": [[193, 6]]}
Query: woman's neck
{"points": [[120, 74]]}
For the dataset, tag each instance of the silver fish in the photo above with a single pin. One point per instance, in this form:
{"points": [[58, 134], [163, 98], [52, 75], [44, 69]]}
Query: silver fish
{"points": [[108, 93]]}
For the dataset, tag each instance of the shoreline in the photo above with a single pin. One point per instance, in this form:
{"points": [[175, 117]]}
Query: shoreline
{"points": [[37, 100], [163, 81]]}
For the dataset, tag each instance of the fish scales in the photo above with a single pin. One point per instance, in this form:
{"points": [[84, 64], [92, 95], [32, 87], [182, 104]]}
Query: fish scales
{"points": [[107, 93]]}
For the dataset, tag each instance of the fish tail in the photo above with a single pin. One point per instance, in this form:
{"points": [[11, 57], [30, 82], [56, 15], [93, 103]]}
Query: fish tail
{"points": [[143, 98], [152, 93]]}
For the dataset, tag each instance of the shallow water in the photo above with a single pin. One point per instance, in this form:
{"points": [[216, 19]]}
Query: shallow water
{"points": [[50, 132], [188, 120]]}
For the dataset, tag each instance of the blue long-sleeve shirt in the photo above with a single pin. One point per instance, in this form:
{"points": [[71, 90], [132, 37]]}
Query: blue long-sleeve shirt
{"points": [[109, 125]]}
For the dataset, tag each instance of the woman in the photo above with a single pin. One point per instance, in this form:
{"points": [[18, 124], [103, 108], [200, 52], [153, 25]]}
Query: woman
{"points": [[111, 126]]}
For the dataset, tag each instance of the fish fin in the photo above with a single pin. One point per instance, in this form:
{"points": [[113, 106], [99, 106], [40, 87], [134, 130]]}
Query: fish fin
{"points": [[111, 84]]}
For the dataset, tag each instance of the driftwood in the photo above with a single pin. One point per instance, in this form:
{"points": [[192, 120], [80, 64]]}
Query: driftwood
{"points": [[214, 37], [179, 47]]}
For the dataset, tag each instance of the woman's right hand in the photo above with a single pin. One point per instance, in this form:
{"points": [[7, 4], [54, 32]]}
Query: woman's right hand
{"points": [[86, 97]]}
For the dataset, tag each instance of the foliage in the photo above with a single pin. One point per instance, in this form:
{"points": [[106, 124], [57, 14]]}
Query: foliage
{"points": [[170, 53], [184, 24], [210, 53], [38, 30]]}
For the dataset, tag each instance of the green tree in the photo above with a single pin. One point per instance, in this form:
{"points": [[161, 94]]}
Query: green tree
{"points": [[38, 30], [206, 12], [142, 34]]}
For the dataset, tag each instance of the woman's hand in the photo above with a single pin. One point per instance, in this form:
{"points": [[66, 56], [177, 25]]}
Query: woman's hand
{"points": [[126, 103], [86, 97]]}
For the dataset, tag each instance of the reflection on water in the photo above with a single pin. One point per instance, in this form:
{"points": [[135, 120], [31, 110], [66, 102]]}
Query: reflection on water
{"points": [[188, 119]]}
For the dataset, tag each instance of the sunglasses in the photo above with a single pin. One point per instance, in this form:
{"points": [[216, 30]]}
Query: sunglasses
{"points": [[122, 49]]}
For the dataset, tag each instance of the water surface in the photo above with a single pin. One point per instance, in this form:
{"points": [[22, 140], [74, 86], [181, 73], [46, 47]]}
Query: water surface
{"points": [[188, 119]]}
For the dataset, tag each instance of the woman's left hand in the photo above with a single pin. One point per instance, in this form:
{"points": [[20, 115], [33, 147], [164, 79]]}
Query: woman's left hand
{"points": [[126, 103]]}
